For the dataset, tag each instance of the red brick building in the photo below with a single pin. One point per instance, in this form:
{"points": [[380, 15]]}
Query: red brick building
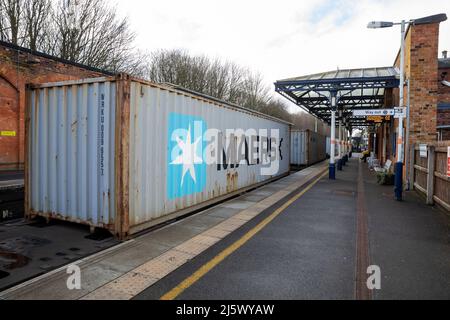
{"points": [[19, 66], [426, 91]]}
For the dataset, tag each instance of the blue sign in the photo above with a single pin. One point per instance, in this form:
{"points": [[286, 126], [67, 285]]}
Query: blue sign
{"points": [[186, 168]]}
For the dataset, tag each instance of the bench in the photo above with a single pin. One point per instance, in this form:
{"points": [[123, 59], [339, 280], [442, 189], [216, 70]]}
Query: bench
{"points": [[386, 168]]}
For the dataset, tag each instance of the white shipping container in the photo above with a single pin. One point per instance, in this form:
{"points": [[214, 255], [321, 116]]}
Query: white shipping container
{"points": [[299, 148], [307, 147], [125, 154], [328, 149]]}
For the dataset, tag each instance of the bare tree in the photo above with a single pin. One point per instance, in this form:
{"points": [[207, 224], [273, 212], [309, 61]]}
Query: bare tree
{"points": [[223, 80], [256, 94], [91, 33], [237, 76], [37, 14], [11, 18], [277, 109], [84, 31]]}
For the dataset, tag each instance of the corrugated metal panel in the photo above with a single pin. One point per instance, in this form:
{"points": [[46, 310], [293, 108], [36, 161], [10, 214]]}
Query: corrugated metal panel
{"points": [[328, 147], [307, 147], [316, 147], [155, 190], [71, 152], [299, 144]]}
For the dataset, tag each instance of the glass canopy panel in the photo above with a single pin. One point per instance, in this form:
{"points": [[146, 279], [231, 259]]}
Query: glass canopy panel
{"points": [[355, 89]]}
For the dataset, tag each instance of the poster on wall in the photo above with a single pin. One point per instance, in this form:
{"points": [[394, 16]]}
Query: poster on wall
{"points": [[423, 151]]}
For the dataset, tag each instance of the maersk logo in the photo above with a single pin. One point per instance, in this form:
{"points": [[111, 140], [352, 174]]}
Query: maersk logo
{"points": [[192, 148], [186, 170]]}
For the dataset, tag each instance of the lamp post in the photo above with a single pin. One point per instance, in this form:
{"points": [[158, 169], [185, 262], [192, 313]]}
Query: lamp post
{"points": [[399, 163], [385, 24]]}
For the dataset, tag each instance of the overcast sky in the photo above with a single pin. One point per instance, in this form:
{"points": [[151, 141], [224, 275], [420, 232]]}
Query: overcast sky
{"points": [[280, 38]]}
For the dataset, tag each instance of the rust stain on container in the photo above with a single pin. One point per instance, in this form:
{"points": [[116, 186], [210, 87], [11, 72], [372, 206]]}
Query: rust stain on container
{"points": [[232, 181]]}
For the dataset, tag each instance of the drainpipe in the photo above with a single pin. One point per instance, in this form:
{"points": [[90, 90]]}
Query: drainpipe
{"points": [[407, 152], [399, 164]]}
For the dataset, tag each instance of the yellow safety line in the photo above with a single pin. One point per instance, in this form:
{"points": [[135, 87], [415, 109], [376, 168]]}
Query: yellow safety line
{"points": [[197, 275]]}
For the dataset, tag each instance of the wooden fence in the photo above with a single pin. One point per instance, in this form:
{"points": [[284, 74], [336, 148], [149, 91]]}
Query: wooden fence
{"points": [[428, 173]]}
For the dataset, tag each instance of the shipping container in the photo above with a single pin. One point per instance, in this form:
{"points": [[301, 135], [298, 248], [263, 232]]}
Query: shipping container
{"points": [[307, 147], [125, 154], [328, 149]]}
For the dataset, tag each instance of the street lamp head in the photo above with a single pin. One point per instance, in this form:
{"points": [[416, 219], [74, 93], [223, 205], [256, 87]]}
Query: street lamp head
{"points": [[379, 24]]}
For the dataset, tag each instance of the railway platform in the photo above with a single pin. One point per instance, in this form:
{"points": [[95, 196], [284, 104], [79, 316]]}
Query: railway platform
{"points": [[302, 237]]}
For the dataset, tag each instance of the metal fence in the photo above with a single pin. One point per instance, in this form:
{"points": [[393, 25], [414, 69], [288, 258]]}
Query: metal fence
{"points": [[429, 172]]}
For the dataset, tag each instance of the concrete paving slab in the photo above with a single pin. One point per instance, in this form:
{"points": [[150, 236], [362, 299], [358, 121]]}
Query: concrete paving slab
{"points": [[202, 221], [262, 192], [142, 250], [172, 235], [238, 204], [253, 197], [222, 212]]}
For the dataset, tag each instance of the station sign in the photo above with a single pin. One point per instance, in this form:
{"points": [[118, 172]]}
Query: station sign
{"points": [[373, 112], [400, 112]]}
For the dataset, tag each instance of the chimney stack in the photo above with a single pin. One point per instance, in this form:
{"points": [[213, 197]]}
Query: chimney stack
{"points": [[444, 54]]}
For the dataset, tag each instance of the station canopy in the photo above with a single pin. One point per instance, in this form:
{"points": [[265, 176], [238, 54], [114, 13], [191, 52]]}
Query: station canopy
{"points": [[355, 89]]}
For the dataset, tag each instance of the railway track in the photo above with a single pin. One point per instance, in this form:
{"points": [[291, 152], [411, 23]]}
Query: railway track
{"points": [[11, 203]]}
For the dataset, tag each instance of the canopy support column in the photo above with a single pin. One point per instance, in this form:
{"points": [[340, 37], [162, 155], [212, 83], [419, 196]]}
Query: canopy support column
{"points": [[350, 146], [332, 167], [345, 144], [339, 164]]}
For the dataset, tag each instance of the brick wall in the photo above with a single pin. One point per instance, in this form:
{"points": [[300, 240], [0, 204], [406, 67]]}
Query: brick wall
{"points": [[424, 85], [421, 68], [18, 67]]}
